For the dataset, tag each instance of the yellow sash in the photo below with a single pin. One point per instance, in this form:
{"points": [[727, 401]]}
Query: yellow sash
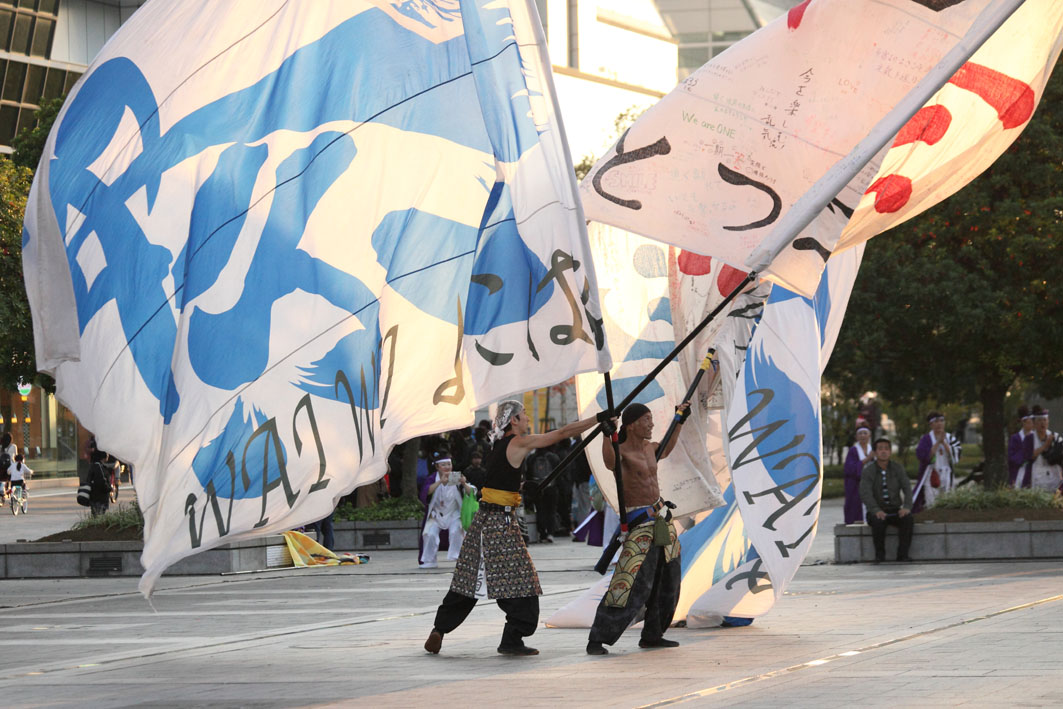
{"points": [[500, 497]]}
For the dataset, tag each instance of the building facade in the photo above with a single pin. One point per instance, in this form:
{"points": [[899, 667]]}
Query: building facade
{"points": [[45, 46]]}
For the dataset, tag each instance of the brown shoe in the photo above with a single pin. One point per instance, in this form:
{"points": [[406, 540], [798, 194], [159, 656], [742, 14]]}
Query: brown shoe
{"points": [[434, 642]]}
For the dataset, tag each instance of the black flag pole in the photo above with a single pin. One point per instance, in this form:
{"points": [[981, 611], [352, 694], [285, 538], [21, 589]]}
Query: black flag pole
{"points": [[578, 448], [614, 542], [617, 470], [706, 364]]}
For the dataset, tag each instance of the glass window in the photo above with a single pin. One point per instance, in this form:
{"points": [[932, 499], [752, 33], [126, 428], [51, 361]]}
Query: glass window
{"points": [[6, 18], [27, 3], [8, 120], [34, 84], [20, 36], [49, 6], [16, 74], [26, 119], [693, 57], [53, 83], [42, 37], [71, 79]]}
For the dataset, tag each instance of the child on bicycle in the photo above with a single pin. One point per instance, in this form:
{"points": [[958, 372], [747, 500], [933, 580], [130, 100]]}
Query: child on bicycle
{"points": [[18, 472]]}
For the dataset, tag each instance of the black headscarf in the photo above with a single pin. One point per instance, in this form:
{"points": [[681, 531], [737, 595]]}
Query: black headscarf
{"points": [[631, 414]]}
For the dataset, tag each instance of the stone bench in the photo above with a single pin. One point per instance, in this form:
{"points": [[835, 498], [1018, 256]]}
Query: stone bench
{"points": [[957, 541]]}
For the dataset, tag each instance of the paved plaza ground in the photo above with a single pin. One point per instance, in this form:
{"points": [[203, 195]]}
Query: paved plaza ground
{"points": [[974, 634]]}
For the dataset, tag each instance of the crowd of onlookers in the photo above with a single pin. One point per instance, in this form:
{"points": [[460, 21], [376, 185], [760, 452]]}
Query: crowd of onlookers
{"points": [[879, 491], [450, 467]]}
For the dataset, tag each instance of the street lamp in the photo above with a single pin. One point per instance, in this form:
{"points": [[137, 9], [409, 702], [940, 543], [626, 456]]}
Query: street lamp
{"points": [[24, 390]]}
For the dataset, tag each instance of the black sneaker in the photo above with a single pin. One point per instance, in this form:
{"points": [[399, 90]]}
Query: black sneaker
{"points": [[596, 649], [434, 642], [904, 558], [517, 650], [659, 642]]}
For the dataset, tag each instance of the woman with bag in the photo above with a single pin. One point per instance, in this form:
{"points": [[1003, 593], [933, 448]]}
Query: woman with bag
{"points": [[938, 453]]}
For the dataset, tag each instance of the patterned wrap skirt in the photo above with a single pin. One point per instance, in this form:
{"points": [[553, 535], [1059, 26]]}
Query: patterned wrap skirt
{"points": [[493, 540], [638, 544]]}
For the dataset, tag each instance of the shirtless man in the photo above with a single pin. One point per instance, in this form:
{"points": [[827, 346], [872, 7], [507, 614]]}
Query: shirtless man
{"points": [[648, 571]]}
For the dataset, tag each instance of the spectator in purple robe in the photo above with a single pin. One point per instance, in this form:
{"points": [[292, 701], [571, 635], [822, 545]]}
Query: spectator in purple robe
{"points": [[860, 454], [1017, 451], [938, 453]]}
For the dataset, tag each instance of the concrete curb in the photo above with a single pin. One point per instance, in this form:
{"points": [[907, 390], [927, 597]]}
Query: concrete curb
{"points": [[957, 541], [77, 559]]}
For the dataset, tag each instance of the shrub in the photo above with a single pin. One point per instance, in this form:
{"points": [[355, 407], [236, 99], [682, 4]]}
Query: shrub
{"points": [[123, 516], [971, 497], [394, 508]]}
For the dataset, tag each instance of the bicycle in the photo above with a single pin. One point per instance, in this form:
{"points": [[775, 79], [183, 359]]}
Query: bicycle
{"points": [[19, 499]]}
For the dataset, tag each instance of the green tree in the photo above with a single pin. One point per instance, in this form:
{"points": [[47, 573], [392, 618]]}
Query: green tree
{"points": [[16, 329], [29, 143], [17, 358], [964, 302]]}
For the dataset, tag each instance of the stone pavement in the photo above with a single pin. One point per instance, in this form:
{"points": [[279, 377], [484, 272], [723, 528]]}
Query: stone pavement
{"points": [[974, 634]]}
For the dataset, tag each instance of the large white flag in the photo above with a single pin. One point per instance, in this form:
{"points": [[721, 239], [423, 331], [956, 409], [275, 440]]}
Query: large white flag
{"points": [[774, 443], [967, 125], [714, 165], [259, 259], [637, 278]]}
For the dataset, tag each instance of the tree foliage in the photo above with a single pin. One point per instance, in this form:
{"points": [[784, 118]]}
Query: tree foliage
{"points": [[17, 359], [29, 143], [964, 301], [16, 329]]}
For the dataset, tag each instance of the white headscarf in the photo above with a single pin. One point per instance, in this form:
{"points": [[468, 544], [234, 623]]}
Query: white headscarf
{"points": [[505, 412]]}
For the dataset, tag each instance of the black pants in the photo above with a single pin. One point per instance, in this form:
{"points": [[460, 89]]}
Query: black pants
{"points": [[904, 527], [656, 587], [522, 616], [546, 512]]}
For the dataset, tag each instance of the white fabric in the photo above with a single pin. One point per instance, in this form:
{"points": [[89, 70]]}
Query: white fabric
{"points": [[637, 278], [965, 133], [774, 449], [712, 166], [277, 300]]}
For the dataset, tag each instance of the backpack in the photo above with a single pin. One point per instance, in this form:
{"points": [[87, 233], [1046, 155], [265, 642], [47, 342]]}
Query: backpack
{"points": [[5, 461], [1053, 454]]}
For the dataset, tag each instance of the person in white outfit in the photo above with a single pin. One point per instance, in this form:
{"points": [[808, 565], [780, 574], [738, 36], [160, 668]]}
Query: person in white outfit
{"points": [[19, 472], [444, 497], [1043, 475]]}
